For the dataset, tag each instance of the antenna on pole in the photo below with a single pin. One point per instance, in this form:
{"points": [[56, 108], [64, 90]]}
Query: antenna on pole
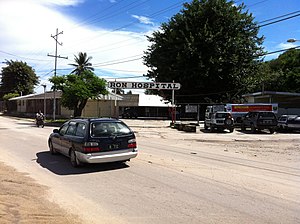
{"points": [[55, 37]]}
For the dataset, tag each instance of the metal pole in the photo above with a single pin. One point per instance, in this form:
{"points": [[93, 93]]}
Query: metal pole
{"points": [[55, 66], [44, 100], [173, 106], [198, 114], [55, 37], [115, 100]]}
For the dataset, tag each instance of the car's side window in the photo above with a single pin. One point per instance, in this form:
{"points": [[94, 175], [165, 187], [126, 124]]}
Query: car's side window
{"points": [[63, 129], [80, 130], [71, 129]]}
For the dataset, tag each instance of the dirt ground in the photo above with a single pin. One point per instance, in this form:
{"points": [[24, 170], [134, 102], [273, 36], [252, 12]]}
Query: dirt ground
{"points": [[23, 200]]}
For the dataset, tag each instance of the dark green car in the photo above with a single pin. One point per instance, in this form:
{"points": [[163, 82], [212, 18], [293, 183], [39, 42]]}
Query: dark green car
{"points": [[94, 140]]}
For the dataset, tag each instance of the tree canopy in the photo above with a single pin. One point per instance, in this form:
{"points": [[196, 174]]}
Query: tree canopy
{"points": [[17, 77], [77, 89], [281, 74], [82, 63], [211, 47]]}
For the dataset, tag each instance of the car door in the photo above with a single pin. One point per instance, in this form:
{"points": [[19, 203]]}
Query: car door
{"points": [[56, 138], [66, 139], [246, 120], [80, 135]]}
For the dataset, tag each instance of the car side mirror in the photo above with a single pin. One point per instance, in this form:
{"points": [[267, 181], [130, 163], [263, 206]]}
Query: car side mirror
{"points": [[55, 131]]}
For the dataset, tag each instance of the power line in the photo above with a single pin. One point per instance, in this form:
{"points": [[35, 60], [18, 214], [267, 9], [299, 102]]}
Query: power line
{"points": [[85, 21], [277, 21], [274, 52], [280, 20], [124, 9], [120, 62], [278, 17], [108, 62], [18, 56], [173, 6]]}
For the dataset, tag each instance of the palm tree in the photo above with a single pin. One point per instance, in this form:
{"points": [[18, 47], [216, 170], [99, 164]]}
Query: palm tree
{"points": [[82, 63]]}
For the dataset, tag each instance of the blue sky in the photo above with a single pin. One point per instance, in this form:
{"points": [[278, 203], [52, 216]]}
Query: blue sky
{"points": [[111, 31]]}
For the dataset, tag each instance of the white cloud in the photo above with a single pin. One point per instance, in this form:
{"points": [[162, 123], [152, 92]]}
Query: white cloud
{"points": [[59, 2], [143, 20], [286, 45], [26, 29]]}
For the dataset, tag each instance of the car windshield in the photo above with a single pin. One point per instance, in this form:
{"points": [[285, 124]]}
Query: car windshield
{"points": [[103, 129]]}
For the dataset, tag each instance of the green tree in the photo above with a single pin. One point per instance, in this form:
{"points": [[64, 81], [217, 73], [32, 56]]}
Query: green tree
{"points": [[281, 74], [82, 63], [76, 90], [211, 47], [8, 96], [17, 77]]}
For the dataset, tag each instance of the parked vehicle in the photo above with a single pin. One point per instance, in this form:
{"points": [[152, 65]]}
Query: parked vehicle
{"points": [[94, 140], [213, 109], [240, 110], [129, 113], [259, 120], [288, 123], [219, 121]]}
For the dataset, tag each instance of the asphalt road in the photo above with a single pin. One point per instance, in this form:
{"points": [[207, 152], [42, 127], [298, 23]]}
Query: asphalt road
{"points": [[176, 178]]}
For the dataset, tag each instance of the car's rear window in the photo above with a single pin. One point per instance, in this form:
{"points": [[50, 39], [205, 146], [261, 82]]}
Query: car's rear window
{"points": [[103, 129], [266, 115]]}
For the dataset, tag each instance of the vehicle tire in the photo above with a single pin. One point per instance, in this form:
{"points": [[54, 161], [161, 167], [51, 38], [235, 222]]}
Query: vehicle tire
{"points": [[74, 160], [252, 128], [229, 122], [51, 148], [271, 130], [231, 129]]}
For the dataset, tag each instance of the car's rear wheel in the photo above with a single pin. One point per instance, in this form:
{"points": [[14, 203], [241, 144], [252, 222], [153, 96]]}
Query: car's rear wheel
{"points": [[271, 130], [51, 148], [74, 160]]}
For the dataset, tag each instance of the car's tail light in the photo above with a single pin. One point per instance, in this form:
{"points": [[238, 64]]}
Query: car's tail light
{"points": [[132, 143], [91, 147]]}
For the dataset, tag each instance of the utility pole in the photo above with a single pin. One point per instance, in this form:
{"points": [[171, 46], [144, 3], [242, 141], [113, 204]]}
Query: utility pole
{"points": [[55, 37], [44, 85]]}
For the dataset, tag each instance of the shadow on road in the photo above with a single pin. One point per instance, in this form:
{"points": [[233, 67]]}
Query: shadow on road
{"points": [[215, 131], [61, 165]]}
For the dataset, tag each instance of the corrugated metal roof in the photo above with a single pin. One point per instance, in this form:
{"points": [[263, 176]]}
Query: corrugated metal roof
{"points": [[152, 101], [271, 93], [50, 95]]}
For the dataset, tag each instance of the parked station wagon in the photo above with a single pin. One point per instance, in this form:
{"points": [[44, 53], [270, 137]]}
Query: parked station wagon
{"points": [[94, 140]]}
